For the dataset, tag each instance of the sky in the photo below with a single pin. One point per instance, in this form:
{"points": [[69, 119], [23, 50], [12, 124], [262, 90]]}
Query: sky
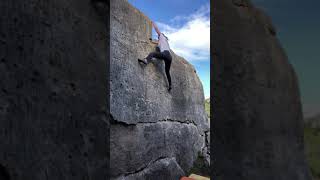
{"points": [[187, 25], [298, 27]]}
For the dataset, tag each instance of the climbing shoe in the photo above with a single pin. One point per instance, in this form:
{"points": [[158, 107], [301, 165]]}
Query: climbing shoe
{"points": [[144, 61]]}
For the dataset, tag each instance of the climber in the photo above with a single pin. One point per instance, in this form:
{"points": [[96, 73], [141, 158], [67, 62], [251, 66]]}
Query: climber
{"points": [[163, 53]]}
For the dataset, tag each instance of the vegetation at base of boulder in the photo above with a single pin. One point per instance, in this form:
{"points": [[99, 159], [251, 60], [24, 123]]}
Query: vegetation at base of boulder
{"points": [[207, 106], [200, 167], [312, 144]]}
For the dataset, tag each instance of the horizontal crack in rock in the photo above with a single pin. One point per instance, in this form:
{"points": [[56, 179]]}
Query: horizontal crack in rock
{"points": [[178, 121], [114, 121]]}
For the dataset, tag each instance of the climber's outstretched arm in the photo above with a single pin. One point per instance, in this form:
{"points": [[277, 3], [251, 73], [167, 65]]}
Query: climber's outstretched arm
{"points": [[156, 28]]}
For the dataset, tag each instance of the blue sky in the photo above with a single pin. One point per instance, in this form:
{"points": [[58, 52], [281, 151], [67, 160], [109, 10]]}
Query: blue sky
{"points": [[187, 25], [298, 28]]}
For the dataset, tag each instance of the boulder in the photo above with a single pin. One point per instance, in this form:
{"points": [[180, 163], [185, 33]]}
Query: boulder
{"points": [[257, 115], [149, 123], [53, 90]]}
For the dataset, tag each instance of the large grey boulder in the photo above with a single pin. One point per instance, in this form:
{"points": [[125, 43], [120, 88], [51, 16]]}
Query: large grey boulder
{"points": [[53, 90], [148, 122], [257, 116]]}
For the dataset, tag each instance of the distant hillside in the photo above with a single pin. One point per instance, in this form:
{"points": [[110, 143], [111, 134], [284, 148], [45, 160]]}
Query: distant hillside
{"points": [[313, 122], [312, 144], [207, 106]]}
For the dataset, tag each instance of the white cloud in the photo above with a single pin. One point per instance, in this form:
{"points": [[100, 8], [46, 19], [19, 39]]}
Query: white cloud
{"points": [[189, 36]]}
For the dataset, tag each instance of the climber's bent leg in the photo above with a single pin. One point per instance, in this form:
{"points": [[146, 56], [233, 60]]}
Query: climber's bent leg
{"points": [[155, 54]]}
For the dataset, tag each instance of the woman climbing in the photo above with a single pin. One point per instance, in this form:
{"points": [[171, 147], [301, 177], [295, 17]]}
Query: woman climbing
{"points": [[163, 53]]}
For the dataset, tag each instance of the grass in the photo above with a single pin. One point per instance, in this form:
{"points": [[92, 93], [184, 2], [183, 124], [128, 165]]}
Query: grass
{"points": [[207, 106], [312, 144], [200, 167]]}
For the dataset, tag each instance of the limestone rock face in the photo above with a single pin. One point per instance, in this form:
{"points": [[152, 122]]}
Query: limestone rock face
{"points": [[149, 124], [53, 90], [257, 116], [162, 168]]}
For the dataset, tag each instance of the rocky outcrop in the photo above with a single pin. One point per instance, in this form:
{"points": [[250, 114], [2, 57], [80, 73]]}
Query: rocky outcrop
{"points": [[150, 127], [257, 116], [53, 90]]}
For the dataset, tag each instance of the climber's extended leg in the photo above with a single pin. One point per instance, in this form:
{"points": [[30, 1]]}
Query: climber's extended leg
{"points": [[167, 61], [168, 74]]}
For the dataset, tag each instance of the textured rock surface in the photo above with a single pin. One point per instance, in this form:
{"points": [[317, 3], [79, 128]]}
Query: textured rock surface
{"points": [[258, 126], [53, 90], [148, 122], [162, 168], [134, 147]]}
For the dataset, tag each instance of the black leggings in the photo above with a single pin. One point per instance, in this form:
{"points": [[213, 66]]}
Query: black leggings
{"points": [[166, 56]]}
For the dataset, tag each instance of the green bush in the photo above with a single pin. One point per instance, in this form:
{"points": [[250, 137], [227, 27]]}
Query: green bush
{"points": [[200, 167], [207, 106], [312, 144]]}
